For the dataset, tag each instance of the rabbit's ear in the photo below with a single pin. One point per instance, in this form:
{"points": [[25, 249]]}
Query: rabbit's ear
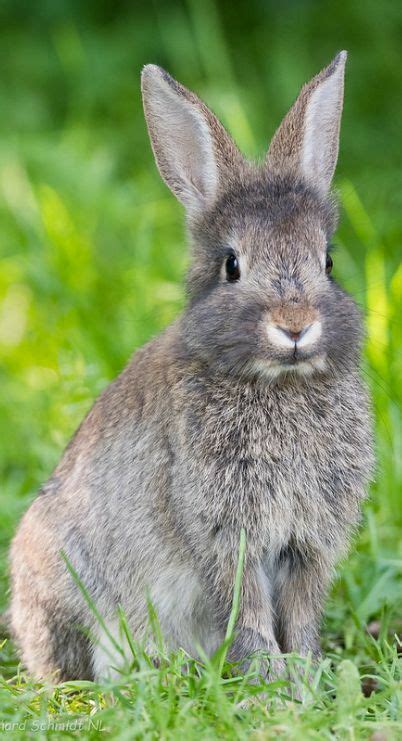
{"points": [[192, 149], [307, 141]]}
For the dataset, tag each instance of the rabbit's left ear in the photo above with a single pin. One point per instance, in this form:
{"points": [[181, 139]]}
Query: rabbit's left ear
{"points": [[307, 141], [194, 154]]}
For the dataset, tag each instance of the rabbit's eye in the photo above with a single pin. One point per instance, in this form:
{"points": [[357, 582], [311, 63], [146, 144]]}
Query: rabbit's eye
{"points": [[232, 268], [328, 264]]}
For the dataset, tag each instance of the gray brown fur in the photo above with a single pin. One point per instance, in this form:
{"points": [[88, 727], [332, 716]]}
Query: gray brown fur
{"points": [[195, 440]]}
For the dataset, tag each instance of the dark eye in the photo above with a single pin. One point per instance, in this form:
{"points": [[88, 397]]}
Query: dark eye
{"points": [[232, 268], [328, 264]]}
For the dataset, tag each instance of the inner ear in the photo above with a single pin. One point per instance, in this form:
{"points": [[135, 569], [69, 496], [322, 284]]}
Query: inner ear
{"points": [[319, 152]]}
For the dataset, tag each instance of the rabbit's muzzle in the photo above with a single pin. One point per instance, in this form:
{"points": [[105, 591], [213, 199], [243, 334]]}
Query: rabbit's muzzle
{"points": [[294, 330], [295, 339]]}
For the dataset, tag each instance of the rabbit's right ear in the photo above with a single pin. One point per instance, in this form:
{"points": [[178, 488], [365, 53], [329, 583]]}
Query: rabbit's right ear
{"points": [[307, 141], [193, 151]]}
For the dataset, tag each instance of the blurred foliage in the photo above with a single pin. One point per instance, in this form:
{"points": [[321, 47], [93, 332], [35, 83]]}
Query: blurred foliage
{"points": [[92, 249]]}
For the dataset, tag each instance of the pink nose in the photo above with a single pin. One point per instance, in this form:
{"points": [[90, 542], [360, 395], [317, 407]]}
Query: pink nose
{"points": [[294, 336]]}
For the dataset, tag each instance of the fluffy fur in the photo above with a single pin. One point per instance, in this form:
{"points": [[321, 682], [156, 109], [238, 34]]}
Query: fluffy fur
{"points": [[214, 425]]}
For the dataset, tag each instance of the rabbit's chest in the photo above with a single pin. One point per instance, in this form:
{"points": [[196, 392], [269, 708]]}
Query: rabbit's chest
{"points": [[267, 476], [268, 465]]}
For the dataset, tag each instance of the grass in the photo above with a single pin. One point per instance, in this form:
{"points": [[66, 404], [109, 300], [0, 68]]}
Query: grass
{"points": [[92, 260]]}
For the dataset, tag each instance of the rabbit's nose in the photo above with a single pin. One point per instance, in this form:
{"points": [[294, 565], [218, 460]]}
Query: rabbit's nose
{"points": [[294, 335], [299, 337]]}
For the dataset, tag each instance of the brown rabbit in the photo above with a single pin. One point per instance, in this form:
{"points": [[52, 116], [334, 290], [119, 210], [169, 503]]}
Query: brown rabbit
{"points": [[247, 412]]}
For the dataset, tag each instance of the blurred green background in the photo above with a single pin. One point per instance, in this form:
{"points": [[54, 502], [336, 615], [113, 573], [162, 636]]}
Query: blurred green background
{"points": [[92, 248]]}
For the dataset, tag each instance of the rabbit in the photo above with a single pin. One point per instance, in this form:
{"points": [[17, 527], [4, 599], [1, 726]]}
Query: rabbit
{"points": [[248, 412]]}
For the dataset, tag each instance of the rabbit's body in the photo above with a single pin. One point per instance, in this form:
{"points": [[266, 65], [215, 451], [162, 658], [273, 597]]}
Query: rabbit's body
{"points": [[177, 462], [204, 434]]}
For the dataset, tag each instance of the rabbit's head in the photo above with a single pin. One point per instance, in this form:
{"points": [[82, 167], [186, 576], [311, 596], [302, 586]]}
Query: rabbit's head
{"points": [[261, 298]]}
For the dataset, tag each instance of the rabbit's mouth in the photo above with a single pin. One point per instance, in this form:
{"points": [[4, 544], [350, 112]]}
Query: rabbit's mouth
{"points": [[296, 364], [293, 347]]}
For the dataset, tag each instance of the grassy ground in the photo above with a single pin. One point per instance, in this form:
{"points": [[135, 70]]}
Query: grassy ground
{"points": [[92, 258]]}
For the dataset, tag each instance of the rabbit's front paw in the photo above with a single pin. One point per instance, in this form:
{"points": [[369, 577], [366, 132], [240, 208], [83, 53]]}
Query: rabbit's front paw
{"points": [[251, 651]]}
